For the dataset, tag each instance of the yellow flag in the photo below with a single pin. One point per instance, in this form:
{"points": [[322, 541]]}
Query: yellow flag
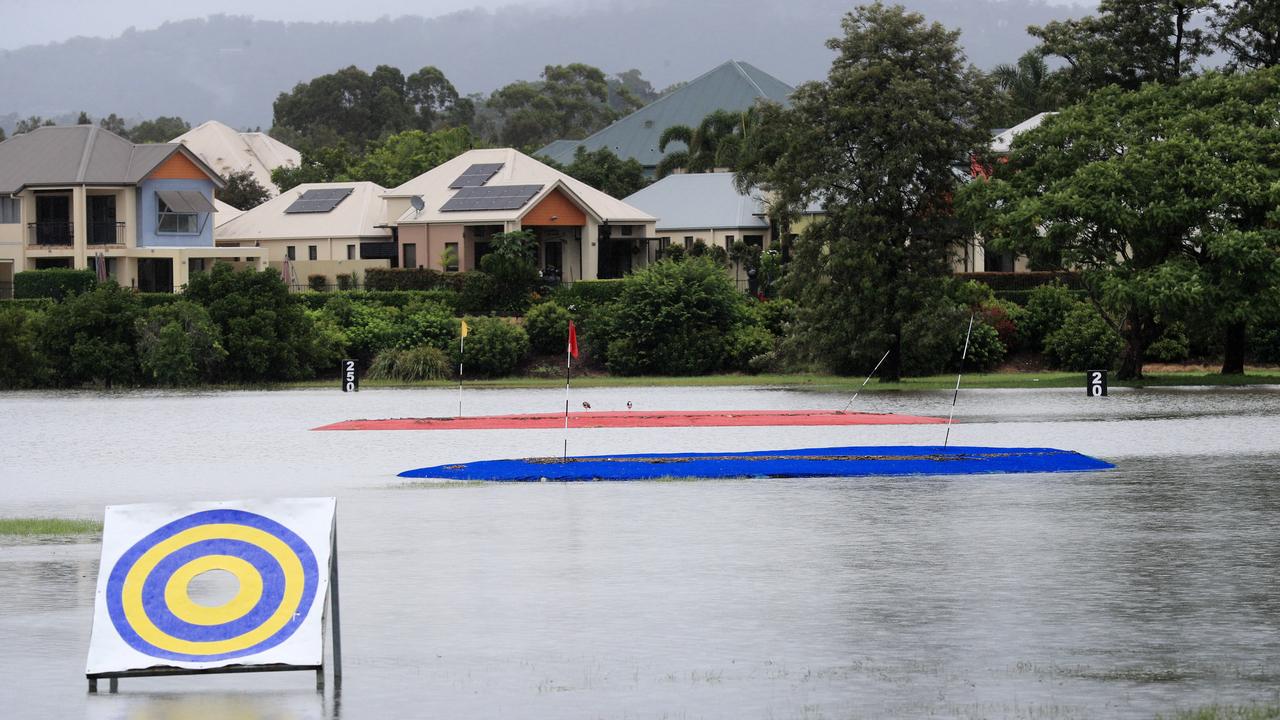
{"points": [[464, 328]]}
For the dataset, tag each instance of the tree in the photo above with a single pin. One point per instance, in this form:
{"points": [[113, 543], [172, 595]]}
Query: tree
{"points": [[179, 345], [606, 172], [512, 261], [1026, 88], [113, 123], [1159, 197], [876, 144], [435, 101], [31, 123], [406, 155], [629, 91], [717, 142], [89, 338], [571, 101], [84, 119], [1249, 31], [160, 130], [1128, 43], [2, 137], [323, 164], [243, 191]]}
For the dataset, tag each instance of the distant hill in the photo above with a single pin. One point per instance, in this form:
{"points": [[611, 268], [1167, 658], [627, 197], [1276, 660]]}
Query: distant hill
{"points": [[231, 68]]}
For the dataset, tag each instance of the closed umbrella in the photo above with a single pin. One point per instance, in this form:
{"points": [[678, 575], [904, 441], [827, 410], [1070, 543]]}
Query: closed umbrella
{"points": [[286, 273], [100, 260]]}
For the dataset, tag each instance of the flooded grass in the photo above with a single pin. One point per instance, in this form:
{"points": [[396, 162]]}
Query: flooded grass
{"points": [[47, 527], [1227, 712]]}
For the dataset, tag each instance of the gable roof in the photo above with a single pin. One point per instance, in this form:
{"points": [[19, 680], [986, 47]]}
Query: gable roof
{"points": [[734, 86], [82, 155], [1003, 141], [360, 214], [228, 151], [700, 201], [517, 169], [224, 212]]}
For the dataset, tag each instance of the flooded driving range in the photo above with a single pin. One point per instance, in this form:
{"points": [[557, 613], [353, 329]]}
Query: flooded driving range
{"points": [[1126, 593]]}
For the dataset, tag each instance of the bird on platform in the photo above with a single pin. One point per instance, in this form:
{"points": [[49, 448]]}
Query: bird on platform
{"points": [[628, 404], [586, 405]]}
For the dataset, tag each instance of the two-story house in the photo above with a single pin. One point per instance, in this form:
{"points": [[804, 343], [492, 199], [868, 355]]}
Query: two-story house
{"points": [[70, 196]]}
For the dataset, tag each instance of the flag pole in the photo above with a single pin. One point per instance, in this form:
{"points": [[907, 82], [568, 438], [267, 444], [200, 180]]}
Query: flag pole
{"points": [[462, 348], [568, 360], [963, 354]]}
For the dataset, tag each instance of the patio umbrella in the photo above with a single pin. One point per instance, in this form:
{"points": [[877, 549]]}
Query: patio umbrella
{"points": [[286, 273], [100, 260]]}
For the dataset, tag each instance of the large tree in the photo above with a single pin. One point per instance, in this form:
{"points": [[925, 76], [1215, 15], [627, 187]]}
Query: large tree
{"points": [[877, 144], [606, 172], [717, 142], [160, 130], [1128, 43], [1026, 89], [242, 191], [406, 155], [1249, 31], [1159, 197], [570, 102]]}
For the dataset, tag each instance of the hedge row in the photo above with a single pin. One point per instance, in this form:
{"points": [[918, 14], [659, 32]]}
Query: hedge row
{"points": [[588, 292], [1002, 282], [414, 279], [387, 298], [55, 283]]}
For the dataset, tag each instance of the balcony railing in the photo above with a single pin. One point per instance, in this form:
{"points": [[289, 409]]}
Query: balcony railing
{"points": [[51, 232], [106, 233]]}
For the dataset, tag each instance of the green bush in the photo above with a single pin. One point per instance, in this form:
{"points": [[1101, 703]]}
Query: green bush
{"points": [[179, 345], [476, 293], [390, 298], [495, 347], [1007, 319], [404, 279], [33, 304], [267, 336], [90, 338], [19, 334], [548, 327], [673, 318], [512, 262], [56, 283], [745, 343], [1264, 343], [420, 363], [972, 294], [371, 329], [318, 283], [1003, 282], [346, 281], [1084, 342], [674, 253], [776, 315], [986, 349], [150, 300], [428, 324], [1172, 346], [1046, 310], [587, 292]]}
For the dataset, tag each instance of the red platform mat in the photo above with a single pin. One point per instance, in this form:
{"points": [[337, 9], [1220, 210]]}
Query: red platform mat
{"points": [[635, 419]]}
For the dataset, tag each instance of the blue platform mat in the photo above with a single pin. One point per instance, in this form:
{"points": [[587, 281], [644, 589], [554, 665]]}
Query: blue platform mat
{"points": [[803, 462]]}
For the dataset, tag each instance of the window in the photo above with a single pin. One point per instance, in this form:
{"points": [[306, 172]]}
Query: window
{"points": [[311, 252], [172, 221], [410, 255], [10, 210], [451, 257], [728, 241], [627, 230], [688, 242], [291, 252], [351, 252]]}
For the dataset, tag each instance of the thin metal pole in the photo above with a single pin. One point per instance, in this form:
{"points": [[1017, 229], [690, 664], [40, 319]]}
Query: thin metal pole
{"points": [[462, 348], [864, 382], [963, 355], [568, 360], [335, 623]]}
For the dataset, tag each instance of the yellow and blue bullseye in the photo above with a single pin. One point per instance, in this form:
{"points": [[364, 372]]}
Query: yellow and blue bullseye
{"points": [[150, 606]]}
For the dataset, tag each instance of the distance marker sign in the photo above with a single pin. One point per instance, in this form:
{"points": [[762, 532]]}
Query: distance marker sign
{"points": [[278, 552], [1096, 383]]}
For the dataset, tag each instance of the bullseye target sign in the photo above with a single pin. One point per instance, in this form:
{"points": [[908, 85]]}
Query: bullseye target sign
{"points": [[273, 557]]}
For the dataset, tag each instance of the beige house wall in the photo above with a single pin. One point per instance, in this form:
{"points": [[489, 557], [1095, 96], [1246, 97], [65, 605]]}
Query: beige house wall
{"points": [[330, 269], [328, 248]]}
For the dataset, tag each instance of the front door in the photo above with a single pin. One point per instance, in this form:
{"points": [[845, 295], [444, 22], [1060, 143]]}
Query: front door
{"points": [[155, 275], [553, 260], [53, 219], [102, 220]]}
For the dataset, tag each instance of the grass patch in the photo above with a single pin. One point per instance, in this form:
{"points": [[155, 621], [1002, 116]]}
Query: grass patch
{"points": [[45, 527], [1003, 380], [1227, 712]]}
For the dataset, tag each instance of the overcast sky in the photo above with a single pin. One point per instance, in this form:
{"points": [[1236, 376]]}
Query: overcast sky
{"points": [[36, 22]]}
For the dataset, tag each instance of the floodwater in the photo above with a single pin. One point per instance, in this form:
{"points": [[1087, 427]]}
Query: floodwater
{"points": [[1126, 593]]}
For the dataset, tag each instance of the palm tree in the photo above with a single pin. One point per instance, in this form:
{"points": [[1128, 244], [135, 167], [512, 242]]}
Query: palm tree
{"points": [[717, 142], [1027, 86]]}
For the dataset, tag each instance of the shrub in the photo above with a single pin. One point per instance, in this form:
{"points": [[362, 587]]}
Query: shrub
{"points": [[512, 261], [19, 331], [179, 345], [1007, 319], [90, 337], [587, 292], [318, 283], [747, 342], [673, 318], [371, 329], [267, 336], [403, 279], [776, 315], [1172, 346], [972, 294], [1084, 342], [56, 283], [428, 324], [548, 327], [495, 347], [1264, 343], [420, 363], [1046, 310], [476, 293], [390, 298], [986, 349], [346, 281], [674, 253]]}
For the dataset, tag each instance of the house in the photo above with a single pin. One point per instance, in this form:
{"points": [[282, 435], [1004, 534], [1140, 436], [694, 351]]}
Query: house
{"points": [[226, 151], [443, 219], [326, 228], [70, 194], [734, 86]]}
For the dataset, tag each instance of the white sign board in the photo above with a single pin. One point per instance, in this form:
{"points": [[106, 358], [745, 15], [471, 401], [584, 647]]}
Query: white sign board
{"points": [[277, 550]]}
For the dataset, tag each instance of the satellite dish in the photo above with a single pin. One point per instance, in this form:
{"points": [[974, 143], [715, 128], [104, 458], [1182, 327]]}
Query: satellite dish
{"points": [[416, 202]]}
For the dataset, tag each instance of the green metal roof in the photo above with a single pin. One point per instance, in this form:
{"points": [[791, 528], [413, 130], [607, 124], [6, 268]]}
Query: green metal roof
{"points": [[733, 86]]}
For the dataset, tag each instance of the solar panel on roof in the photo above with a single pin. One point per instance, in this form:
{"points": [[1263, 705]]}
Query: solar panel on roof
{"points": [[476, 175], [497, 197], [321, 200]]}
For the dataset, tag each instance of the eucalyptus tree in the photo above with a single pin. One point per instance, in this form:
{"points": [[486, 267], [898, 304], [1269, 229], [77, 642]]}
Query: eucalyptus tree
{"points": [[1249, 32]]}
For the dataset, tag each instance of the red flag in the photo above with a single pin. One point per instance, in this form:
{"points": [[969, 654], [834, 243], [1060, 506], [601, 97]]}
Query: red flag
{"points": [[573, 339]]}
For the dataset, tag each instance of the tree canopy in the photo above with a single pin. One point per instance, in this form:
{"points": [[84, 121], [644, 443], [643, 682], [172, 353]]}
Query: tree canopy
{"points": [[243, 191]]}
